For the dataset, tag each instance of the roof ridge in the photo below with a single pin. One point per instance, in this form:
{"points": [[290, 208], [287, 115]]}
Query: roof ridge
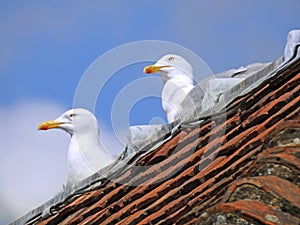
{"points": [[130, 156]]}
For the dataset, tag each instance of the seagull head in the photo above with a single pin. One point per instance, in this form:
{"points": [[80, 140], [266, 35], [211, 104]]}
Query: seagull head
{"points": [[73, 121], [171, 66]]}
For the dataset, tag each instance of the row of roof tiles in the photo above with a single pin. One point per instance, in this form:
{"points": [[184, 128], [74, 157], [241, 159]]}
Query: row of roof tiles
{"points": [[240, 166]]}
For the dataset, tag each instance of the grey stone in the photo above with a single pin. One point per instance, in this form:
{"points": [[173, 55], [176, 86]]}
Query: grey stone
{"points": [[139, 137], [215, 88], [292, 42], [211, 94]]}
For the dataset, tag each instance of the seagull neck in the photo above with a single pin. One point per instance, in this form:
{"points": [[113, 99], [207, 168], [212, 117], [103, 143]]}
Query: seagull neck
{"points": [[177, 76], [89, 138], [180, 80]]}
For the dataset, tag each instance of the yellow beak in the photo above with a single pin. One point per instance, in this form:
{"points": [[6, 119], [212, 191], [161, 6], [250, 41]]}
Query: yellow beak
{"points": [[49, 125], [153, 69]]}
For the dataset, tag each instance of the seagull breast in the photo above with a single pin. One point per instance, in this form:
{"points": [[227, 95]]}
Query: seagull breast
{"points": [[85, 153]]}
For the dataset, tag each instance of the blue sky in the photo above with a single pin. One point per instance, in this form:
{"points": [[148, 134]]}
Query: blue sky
{"points": [[46, 47]]}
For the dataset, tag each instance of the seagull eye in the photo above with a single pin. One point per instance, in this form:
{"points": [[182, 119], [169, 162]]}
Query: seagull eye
{"points": [[72, 115], [171, 58]]}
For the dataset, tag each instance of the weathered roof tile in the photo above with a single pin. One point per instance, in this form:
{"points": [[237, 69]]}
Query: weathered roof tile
{"points": [[239, 166]]}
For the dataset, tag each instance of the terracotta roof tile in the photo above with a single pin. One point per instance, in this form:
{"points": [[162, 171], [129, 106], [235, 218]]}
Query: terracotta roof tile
{"points": [[181, 180], [182, 175], [242, 167], [252, 211]]}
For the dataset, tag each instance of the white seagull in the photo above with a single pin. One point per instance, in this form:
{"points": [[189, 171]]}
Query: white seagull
{"points": [[177, 74], [85, 154]]}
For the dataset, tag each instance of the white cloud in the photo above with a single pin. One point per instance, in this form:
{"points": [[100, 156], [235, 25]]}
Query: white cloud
{"points": [[33, 163]]}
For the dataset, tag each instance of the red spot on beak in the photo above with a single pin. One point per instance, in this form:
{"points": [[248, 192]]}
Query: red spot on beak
{"points": [[149, 71], [43, 128]]}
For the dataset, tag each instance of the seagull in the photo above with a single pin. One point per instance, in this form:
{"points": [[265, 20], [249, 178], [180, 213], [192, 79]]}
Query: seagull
{"points": [[177, 75], [86, 156]]}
